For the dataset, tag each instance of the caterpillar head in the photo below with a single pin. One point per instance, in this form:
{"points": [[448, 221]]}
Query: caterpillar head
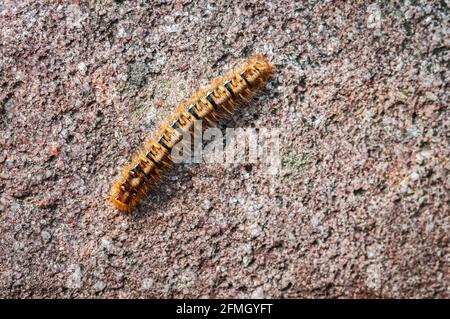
{"points": [[121, 198]]}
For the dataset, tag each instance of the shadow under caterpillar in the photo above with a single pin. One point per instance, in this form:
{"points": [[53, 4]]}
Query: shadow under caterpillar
{"points": [[209, 104]]}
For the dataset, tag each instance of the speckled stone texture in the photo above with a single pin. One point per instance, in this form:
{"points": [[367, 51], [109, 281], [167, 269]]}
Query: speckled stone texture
{"points": [[360, 207]]}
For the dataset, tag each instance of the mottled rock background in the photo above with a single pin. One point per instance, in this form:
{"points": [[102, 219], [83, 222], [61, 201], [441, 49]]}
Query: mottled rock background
{"points": [[359, 208]]}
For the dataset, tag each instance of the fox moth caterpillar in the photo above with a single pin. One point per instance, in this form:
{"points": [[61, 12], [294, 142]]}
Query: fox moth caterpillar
{"points": [[209, 104]]}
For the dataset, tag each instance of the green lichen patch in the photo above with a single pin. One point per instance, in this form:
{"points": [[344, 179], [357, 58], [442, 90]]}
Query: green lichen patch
{"points": [[295, 163]]}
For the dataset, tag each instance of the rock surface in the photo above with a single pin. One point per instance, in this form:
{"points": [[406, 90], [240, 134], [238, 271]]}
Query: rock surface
{"points": [[360, 97]]}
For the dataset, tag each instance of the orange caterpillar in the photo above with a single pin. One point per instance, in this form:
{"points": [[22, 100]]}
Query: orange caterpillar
{"points": [[209, 104]]}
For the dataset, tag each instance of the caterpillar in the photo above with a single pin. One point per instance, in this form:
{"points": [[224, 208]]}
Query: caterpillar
{"points": [[209, 104]]}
